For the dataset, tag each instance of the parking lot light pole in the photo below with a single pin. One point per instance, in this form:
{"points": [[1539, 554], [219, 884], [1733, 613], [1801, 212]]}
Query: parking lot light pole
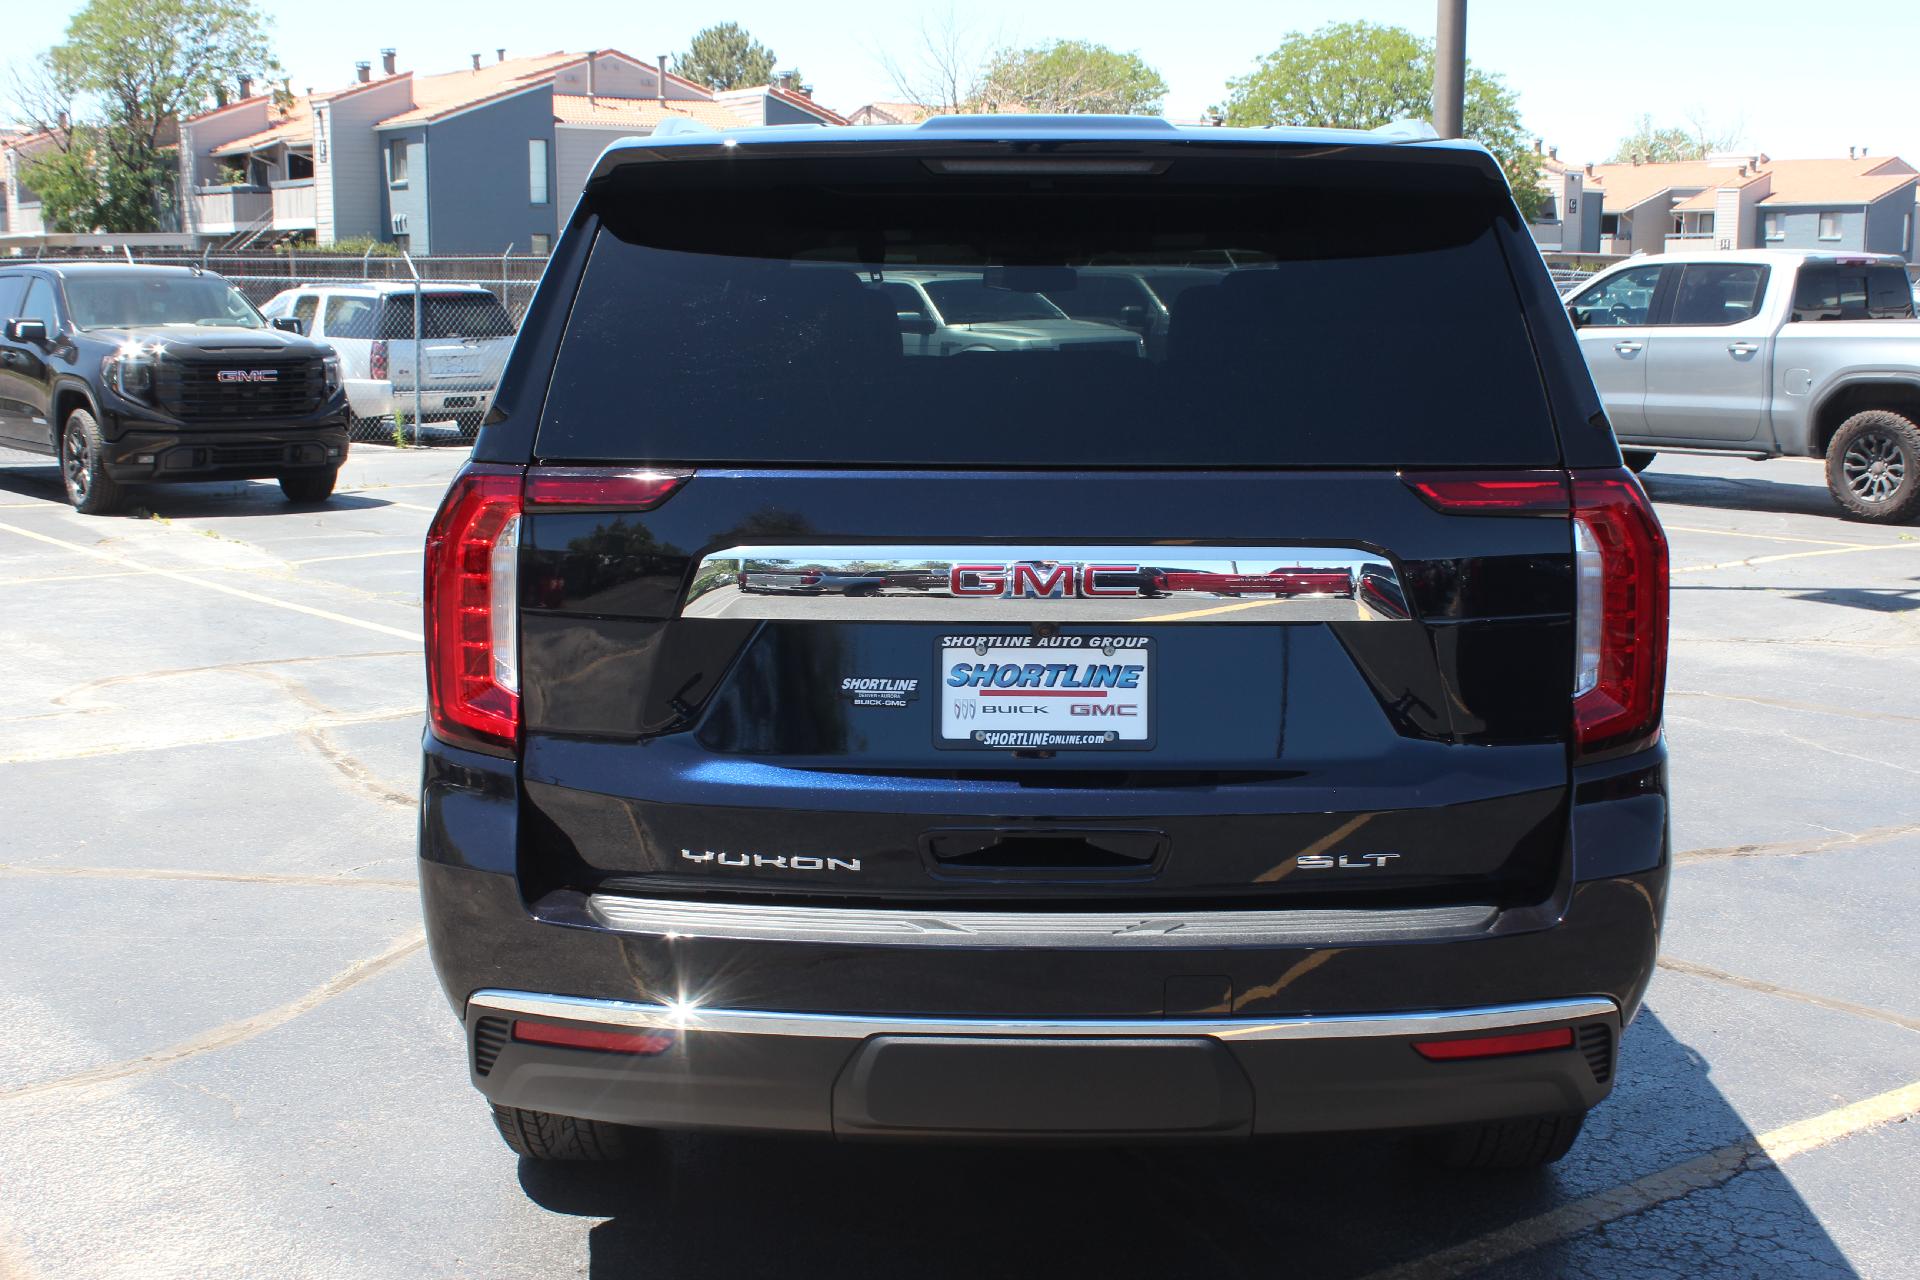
{"points": [[1450, 68]]}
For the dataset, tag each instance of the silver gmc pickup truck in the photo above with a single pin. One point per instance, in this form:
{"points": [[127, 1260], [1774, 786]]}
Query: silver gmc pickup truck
{"points": [[1767, 354]]}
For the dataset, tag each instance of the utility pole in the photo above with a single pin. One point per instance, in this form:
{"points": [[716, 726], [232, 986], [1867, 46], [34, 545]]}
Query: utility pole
{"points": [[1450, 68]]}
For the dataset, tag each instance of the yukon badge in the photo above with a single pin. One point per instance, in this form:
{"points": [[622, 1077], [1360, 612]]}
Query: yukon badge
{"points": [[1344, 861], [777, 862]]}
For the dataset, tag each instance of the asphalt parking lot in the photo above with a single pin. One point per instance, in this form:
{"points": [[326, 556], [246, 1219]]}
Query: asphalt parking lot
{"points": [[224, 1053]]}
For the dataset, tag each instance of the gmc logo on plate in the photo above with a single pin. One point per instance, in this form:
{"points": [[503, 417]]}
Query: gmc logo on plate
{"points": [[247, 375], [1042, 580]]}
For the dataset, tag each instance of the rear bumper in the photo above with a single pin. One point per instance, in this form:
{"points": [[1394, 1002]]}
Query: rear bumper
{"points": [[1031, 1009], [874, 1076]]}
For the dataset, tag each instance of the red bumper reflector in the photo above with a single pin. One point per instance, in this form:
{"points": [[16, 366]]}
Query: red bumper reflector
{"points": [[644, 1043], [1495, 1046]]}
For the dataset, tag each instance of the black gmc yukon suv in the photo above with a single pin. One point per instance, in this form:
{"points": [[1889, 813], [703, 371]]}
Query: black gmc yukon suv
{"points": [[140, 375], [1252, 732]]}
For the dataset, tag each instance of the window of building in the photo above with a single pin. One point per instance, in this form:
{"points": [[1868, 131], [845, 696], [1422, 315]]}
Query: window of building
{"points": [[397, 162], [537, 192], [542, 245], [1774, 225], [1609, 224], [1829, 225]]}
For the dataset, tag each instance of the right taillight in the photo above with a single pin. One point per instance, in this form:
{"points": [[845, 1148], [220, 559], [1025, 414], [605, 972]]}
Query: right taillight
{"points": [[377, 360], [1620, 614]]}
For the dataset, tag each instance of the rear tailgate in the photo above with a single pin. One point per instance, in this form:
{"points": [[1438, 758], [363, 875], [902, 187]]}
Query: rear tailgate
{"points": [[787, 680]]}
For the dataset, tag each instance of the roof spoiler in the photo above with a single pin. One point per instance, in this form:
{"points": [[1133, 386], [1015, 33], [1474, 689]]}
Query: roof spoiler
{"points": [[1405, 130]]}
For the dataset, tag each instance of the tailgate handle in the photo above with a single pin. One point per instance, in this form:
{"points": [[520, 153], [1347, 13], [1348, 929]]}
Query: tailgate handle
{"points": [[1044, 853]]}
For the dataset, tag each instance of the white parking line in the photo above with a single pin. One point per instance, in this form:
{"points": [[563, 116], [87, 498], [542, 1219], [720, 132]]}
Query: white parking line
{"points": [[1845, 549], [362, 555], [112, 557], [1765, 537], [1713, 1169]]}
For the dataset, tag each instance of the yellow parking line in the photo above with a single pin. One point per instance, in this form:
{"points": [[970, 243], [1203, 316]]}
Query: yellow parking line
{"points": [[359, 555], [1845, 550], [207, 583], [1207, 613], [1713, 1169], [1766, 537]]}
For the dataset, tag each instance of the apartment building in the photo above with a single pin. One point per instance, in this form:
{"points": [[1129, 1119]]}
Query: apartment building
{"points": [[1733, 201], [479, 160]]}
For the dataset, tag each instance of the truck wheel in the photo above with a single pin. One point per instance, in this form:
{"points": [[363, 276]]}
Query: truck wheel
{"points": [[1873, 466], [1506, 1144], [1637, 460], [309, 486], [541, 1135], [83, 467]]}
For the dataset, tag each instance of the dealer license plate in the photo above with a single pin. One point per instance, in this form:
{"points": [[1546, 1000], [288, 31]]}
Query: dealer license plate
{"points": [[1022, 692]]}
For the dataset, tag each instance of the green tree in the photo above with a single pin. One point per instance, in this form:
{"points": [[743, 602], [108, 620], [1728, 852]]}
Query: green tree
{"points": [[1359, 75], [1656, 145], [724, 56], [137, 66], [1070, 77]]}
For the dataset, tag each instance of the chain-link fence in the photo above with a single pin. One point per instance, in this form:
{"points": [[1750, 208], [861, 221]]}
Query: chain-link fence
{"points": [[422, 341]]}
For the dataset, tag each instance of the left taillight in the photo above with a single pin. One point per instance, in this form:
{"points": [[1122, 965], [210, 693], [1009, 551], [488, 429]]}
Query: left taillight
{"points": [[473, 578], [472, 571]]}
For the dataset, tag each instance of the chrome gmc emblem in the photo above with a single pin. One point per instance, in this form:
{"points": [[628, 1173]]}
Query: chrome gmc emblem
{"points": [[247, 375], [1030, 580]]}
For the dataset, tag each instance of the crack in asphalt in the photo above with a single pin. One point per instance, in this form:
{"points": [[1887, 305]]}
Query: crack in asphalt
{"points": [[229, 1034], [1764, 987], [1788, 848], [1788, 704]]}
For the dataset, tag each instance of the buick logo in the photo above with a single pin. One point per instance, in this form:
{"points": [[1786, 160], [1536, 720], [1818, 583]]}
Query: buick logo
{"points": [[247, 375]]}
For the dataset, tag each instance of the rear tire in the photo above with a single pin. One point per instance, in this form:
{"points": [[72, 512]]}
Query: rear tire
{"points": [[309, 486], [1506, 1144], [541, 1135], [1637, 460], [1873, 467], [83, 467]]}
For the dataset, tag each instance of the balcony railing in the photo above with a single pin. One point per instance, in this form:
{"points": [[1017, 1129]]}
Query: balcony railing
{"points": [[293, 204], [225, 210], [1689, 240]]}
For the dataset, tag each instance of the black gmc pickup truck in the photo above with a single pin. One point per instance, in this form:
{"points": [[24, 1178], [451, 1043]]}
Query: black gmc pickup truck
{"points": [[141, 375]]}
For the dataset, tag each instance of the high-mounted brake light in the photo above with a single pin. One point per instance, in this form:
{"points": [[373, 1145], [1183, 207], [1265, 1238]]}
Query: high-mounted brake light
{"points": [[472, 586], [1620, 614], [1495, 1046]]}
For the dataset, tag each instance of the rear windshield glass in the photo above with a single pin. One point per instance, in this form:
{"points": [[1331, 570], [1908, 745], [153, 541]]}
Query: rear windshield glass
{"points": [[1357, 315], [446, 315], [1853, 292]]}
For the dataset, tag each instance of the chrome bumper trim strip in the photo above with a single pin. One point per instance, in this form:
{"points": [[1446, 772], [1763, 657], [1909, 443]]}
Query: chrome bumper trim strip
{"points": [[690, 1018], [1044, 929]]}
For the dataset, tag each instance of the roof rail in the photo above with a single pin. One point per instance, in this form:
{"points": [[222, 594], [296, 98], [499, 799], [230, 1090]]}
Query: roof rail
{"points": [[1017, 120], [1405, 130], [675, 125]]}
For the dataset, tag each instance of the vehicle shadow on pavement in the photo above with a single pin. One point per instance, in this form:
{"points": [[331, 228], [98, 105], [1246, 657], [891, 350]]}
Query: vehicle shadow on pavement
{"points": [[1322, 1207], [1726, 493], [214, 498]]}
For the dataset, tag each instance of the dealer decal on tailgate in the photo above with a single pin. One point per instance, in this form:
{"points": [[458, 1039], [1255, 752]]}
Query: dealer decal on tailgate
{"points": [[1025, 692]]}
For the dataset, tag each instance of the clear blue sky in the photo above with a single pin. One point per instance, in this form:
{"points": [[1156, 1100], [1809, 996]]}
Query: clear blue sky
{"points": [[1793, 79]]}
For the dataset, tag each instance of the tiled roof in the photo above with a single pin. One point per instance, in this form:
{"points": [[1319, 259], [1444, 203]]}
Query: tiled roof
{"points": [[800, 100], [295, 125], [439, 95], [231, 106], [889, 113], [1790, 181], [638, 112]]}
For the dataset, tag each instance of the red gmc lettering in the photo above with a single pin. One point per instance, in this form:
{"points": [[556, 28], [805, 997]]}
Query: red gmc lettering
{"points": [[1027, 581], [977, 579], [1090, 580]]}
